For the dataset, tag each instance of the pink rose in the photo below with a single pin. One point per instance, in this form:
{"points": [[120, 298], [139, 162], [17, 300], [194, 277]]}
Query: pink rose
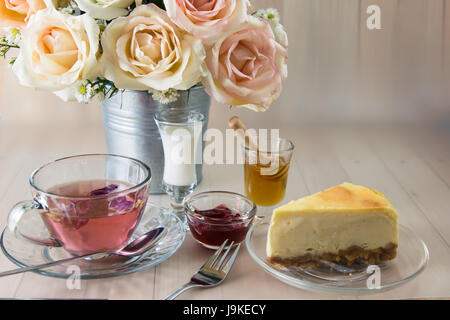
{"points": [[246, 67], [206, 19]]}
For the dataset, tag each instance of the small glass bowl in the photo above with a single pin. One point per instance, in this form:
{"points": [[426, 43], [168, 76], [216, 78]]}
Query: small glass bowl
{"points": [[212, 230]]}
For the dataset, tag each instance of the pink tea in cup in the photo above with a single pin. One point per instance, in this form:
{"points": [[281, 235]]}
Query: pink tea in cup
{"points": [[93, 215]]}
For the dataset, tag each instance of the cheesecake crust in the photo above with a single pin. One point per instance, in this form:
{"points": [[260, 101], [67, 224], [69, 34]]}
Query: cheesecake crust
{"points": [[346, 256]]}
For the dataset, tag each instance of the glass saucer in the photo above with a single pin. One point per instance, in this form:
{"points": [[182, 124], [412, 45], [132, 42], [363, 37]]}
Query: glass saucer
{"points": [[412, 257], [25, 253]]}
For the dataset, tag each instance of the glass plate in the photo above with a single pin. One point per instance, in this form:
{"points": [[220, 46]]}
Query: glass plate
{"points": [[25, 253], [412, 257]]}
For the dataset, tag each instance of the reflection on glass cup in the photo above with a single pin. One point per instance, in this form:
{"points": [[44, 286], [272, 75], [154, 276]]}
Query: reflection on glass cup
{"points": [[89, 203], [266, 172]]}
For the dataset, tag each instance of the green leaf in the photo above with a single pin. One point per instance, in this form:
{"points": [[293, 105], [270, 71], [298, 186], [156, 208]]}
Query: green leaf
{"points": [[159, 3]]}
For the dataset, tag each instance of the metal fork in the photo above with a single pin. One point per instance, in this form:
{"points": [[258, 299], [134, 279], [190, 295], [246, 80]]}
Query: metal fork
{"points": [[213, 272]]}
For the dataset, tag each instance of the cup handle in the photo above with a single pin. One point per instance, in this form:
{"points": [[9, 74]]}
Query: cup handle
{"points": [[17, 213]]}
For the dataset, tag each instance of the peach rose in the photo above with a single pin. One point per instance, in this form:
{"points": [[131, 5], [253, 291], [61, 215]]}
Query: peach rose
{"points": [[206, 19], [57, 50], [247, 66], [16, 13], [145, 50]]}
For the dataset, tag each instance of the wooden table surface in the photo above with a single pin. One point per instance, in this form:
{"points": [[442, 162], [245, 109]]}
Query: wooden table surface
{"points": [[410, 165]]}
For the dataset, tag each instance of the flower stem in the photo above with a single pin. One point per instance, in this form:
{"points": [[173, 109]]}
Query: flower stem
{"points": [[9, 45]]}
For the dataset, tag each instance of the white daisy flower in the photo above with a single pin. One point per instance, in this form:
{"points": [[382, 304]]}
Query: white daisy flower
{"points": [[166, 96], [261, 13], [84, 92], [268, 14], [13, 36], [272, 14]]}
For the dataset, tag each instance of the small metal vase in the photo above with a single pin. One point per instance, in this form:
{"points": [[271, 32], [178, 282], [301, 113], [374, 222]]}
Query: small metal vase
{"points": [[131, 130]]}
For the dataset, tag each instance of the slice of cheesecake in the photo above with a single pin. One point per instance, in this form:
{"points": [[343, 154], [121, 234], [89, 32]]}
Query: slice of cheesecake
{"points": [[342, 224]]}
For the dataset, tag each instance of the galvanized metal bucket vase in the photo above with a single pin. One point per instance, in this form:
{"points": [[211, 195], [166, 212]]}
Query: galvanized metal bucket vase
{"points": [[131, 130]]}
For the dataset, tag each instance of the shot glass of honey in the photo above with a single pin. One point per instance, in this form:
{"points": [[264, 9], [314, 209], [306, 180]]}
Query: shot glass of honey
{"points": [[266, 172]]}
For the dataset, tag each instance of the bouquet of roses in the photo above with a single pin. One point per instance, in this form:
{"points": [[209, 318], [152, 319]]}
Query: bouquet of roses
{"points": [[84, 48]]}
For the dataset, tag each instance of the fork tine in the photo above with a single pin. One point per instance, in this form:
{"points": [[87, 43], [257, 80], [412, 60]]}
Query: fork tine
{"points": [[224, 256], [230, 262], [210, 262]]}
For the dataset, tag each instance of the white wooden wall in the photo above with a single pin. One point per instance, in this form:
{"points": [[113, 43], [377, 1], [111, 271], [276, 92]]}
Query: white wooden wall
{"points": [[339, 71]]}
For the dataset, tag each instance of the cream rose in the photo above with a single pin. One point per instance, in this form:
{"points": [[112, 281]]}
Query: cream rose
{"points": [[105, 9], [207, 19], [246, 67], [146, 50], [57, 50], [16, 13]]}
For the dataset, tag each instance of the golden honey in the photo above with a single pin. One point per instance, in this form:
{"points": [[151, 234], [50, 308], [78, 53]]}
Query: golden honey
{"points": [[266, 189]]}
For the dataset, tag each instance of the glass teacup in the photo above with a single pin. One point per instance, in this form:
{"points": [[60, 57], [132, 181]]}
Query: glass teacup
{"points": [[88, 203]]}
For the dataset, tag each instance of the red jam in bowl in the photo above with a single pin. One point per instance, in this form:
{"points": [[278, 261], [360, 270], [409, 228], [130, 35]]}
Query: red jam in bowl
{"points": [[212, 227]]}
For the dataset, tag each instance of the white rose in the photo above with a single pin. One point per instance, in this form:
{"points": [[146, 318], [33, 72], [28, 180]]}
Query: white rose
{"points": [[147, 50], [57, 50], [105, 9]]}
